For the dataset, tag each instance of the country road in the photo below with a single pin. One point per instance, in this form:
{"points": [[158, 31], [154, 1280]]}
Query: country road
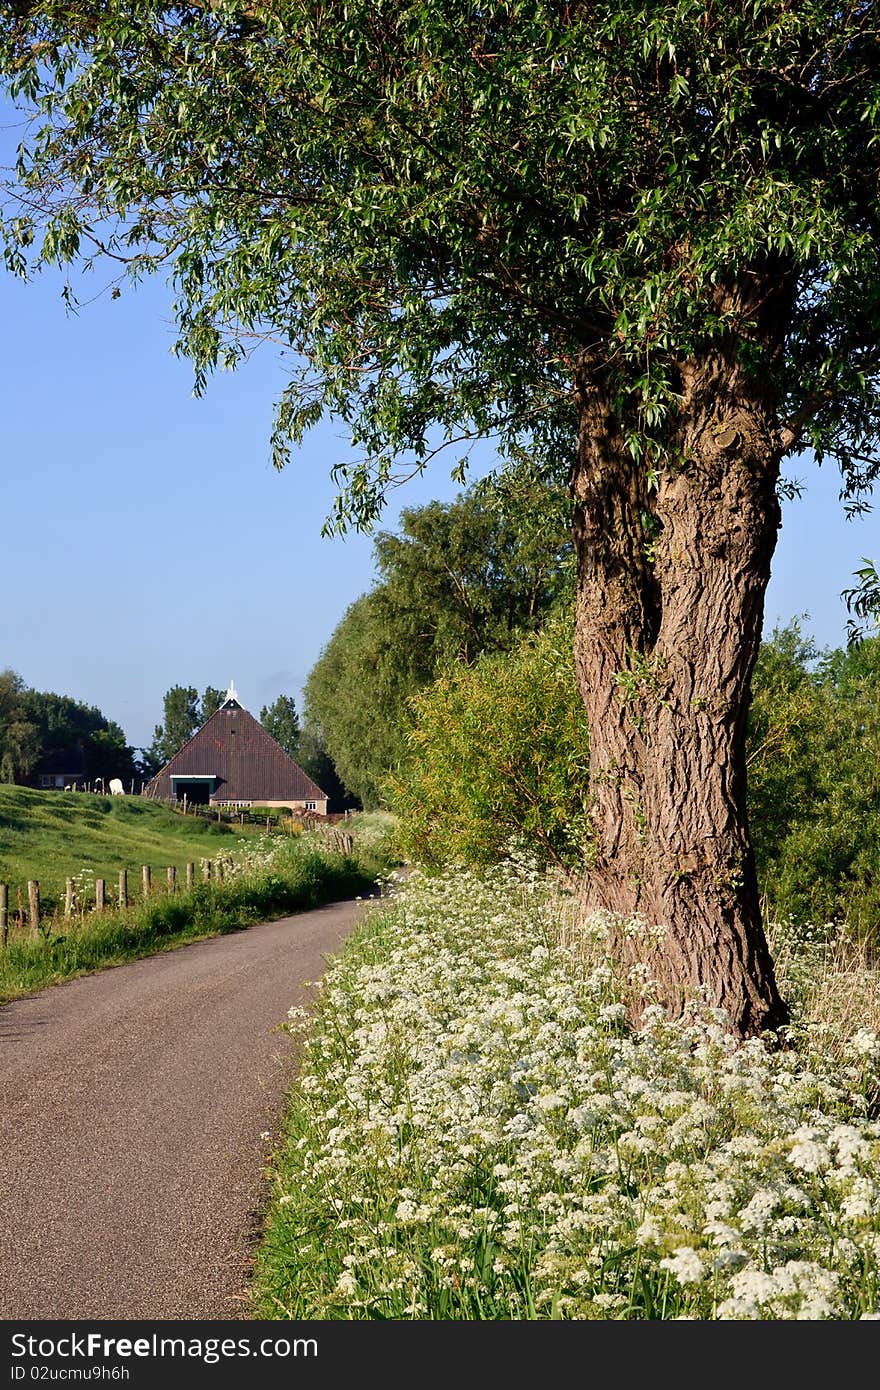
{"points": [[133, 1109]]}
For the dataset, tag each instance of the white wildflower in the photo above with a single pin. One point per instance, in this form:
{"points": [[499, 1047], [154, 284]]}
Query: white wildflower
{"points": [[685, 1265]]}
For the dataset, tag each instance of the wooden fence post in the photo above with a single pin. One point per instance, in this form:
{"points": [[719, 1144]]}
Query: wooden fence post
{"points": [[171, 875], [145, 875], [69, 897], [34, 905], [190, 875], [206, 870], [184, 803], [4, 912], [123, 887], [100, 894]]}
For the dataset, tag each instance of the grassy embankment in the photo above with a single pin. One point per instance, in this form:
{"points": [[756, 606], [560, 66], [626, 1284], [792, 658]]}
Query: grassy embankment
{"points": [[263, 877], [479, 1133], [52, 836]]}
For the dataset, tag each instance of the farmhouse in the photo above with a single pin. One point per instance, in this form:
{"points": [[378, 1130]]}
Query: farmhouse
{"points": [[60, 767], [233, 761]]}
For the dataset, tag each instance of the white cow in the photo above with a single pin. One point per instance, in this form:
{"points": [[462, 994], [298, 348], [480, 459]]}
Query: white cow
{"points": [[116, 787]]}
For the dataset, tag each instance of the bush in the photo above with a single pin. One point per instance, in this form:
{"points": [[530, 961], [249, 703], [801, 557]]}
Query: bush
{"points": [[499, 751], [814, 780]]}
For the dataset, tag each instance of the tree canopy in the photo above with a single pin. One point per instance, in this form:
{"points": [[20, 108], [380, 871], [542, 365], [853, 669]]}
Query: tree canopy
{"points": [[437, 211], [282, 722], [183, 714]]}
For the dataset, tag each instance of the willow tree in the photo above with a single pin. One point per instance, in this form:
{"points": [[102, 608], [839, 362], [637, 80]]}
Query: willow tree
{"points": [[639, 240]]}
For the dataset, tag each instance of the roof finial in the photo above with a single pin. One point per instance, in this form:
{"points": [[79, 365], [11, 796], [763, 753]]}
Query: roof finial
{"points": [[231, 696]]}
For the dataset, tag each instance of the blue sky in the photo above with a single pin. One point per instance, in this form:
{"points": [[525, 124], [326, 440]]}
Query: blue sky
{"points": [[147, 540]]}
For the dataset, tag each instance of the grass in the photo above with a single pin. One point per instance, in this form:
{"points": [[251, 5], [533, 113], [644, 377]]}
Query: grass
{"points": [[52, 836], [273, 878]]}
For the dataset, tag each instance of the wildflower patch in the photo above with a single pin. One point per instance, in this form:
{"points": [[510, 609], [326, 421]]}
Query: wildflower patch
{"points": [[476, 1133]]}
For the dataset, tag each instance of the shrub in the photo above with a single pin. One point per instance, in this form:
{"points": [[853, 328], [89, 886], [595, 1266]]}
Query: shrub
{"points": [[499, 751], [814, 780]]}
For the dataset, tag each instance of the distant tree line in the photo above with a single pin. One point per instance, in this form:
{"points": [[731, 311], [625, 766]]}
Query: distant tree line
{"points": [[35, 725]]}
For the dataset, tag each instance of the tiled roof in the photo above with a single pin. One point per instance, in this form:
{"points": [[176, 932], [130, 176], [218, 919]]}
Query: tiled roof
{"points": [[246, 761]]}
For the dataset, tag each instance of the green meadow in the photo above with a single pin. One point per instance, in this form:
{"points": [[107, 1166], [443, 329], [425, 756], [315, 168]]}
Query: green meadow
{"points": [[52, 836]]}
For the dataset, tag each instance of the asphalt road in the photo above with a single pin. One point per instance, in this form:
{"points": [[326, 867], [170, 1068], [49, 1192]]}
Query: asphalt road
{"points": [[134, 1110]]}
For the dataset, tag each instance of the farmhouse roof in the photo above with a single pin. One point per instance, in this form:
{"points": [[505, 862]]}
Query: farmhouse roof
{"points": [[246, 762]]}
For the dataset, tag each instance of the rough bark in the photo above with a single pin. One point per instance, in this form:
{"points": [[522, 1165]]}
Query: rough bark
{"points": [[667, 632]]}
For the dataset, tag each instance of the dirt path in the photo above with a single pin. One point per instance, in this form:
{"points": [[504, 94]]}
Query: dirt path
{"points": [[132, 1109]]}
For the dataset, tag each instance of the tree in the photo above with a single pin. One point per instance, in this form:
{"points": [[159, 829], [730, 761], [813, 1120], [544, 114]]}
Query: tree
{"points": [[353, 694], [184, 714], [640, 240], [282, 722], [181, 720], [814, 781], [35, 723], [19, 736], [456, 580], [212, 699], [466, 577], [316, 762], [62, 723]]}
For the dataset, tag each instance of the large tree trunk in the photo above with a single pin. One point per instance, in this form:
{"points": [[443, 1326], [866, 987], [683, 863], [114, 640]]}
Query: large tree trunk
{"points": [[669, 617]]}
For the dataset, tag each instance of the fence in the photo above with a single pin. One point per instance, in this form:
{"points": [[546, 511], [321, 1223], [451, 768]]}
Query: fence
{"points": [[239, 815], [28, 920]]}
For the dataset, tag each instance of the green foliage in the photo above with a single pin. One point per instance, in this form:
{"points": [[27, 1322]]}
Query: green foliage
{"points": [[180, 722], [19, 739], [466, 577], [353, 697], [442, 210], [457, 580], [499, 752], [281, 720], [184, 714], [316, 762], [211, 701], [36, 725], [814, 781], [863, 601]]}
